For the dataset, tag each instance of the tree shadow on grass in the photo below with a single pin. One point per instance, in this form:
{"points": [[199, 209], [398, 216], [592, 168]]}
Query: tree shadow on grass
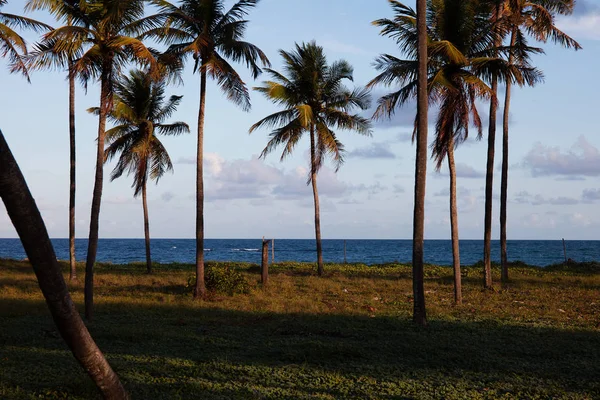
{"points": [[198, 351]]}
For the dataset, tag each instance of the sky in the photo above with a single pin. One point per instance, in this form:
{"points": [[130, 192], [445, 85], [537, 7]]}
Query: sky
{"points": [[554, 187]]}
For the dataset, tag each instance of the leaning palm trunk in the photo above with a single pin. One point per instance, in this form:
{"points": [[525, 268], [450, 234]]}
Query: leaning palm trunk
{"points": [[454, 225], [96, 199], [504, 179], [419, 313], [146, 228], [200, 288], [72, 175], [313, 178], [28, 222]]}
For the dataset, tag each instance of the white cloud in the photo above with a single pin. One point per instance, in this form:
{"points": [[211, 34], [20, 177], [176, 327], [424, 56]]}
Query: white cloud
{"points": [[336, 46], [586, 26], [582, 159], [591, 195], [374, 150], [525, 197]]}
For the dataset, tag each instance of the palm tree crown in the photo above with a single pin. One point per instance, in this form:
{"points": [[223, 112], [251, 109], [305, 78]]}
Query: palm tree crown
{"points": [[314, 100], [98, 39], [460, 38], [11, 43], [140, 113], [211, 35]]}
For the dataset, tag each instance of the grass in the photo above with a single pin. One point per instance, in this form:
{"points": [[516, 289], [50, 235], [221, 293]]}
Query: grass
{"points": [[347, 335]]}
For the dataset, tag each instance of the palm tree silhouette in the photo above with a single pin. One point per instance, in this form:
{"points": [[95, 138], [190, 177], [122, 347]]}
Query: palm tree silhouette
{"points": [[139, 114], [534, 18], [100, 33], [314, 101], [458, 40], [12, 45], [212, 35], [43, 57], [31, 229]]}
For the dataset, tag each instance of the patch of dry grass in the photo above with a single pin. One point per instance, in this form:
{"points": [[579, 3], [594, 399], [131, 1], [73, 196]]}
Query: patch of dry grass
{"points": [[346, 335]]}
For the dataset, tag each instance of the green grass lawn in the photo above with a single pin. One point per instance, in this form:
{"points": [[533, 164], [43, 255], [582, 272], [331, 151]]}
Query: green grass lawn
{"points": [[347, 335]]}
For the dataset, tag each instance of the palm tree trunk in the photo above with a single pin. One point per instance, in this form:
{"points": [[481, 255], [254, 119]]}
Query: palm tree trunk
{"points": [[313, 179], [146, 228], [72, 175], [28, 222], [504, 179], [200, 288], [454, 225], [489, 178], [419, 312], [489, 182], [105, 102]]}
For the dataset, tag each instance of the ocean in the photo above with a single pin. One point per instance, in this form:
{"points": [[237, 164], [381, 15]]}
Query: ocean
{"points": [[118, 251]]}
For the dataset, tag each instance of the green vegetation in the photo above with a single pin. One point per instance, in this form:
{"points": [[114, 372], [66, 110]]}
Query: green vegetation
{"points": [[347, 336]]}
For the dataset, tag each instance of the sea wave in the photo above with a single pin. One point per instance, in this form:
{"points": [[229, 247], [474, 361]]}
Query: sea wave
{"points": [[248, 250]]}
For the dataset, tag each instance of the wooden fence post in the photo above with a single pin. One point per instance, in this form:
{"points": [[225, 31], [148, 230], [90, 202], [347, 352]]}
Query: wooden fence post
{"points": [[565, 250], [264, 268], [272, 250]]}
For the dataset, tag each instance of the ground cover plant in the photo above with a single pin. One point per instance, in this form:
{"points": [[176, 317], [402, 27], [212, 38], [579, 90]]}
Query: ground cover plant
{"points": [[347, 335]]}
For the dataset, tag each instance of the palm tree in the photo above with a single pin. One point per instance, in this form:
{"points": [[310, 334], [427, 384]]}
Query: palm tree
{"points": [[419, 310], [44, 57], [100, 32], [139, 114], [29, 224], [536, 19], [12, 45], [314, 100], [451, 84], [499, 33], [212, 35]]}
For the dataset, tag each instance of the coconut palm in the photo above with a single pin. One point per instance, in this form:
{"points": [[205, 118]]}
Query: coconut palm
{"points": [[459, 36], [534, 18], [30, 227], [12, 45], [139, 114], [100, 32], [212, 35], [489, 172], [314, 101], [451, 85], [44, 57], [419, 310]]}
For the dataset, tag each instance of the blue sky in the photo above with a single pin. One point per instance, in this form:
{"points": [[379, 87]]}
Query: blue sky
{"points": [[554, 188]]}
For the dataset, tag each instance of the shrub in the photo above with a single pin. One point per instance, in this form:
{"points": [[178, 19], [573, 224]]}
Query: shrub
{"points": [[224, 280]]}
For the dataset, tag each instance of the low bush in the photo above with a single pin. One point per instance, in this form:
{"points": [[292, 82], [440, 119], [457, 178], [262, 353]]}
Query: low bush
{"points": [[223, 279]]}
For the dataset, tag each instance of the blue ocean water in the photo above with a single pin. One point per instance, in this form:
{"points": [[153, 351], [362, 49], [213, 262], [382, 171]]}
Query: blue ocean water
{"points": [[535, 252]]}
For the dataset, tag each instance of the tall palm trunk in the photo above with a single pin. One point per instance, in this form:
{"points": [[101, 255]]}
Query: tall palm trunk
{"points": [[489, 183], [454, 225], [146, 228], [200, 288], [419, 312], [28, 222], [504, 179], [105, 102], [313, 179], [489, 177], [72, 175]]}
